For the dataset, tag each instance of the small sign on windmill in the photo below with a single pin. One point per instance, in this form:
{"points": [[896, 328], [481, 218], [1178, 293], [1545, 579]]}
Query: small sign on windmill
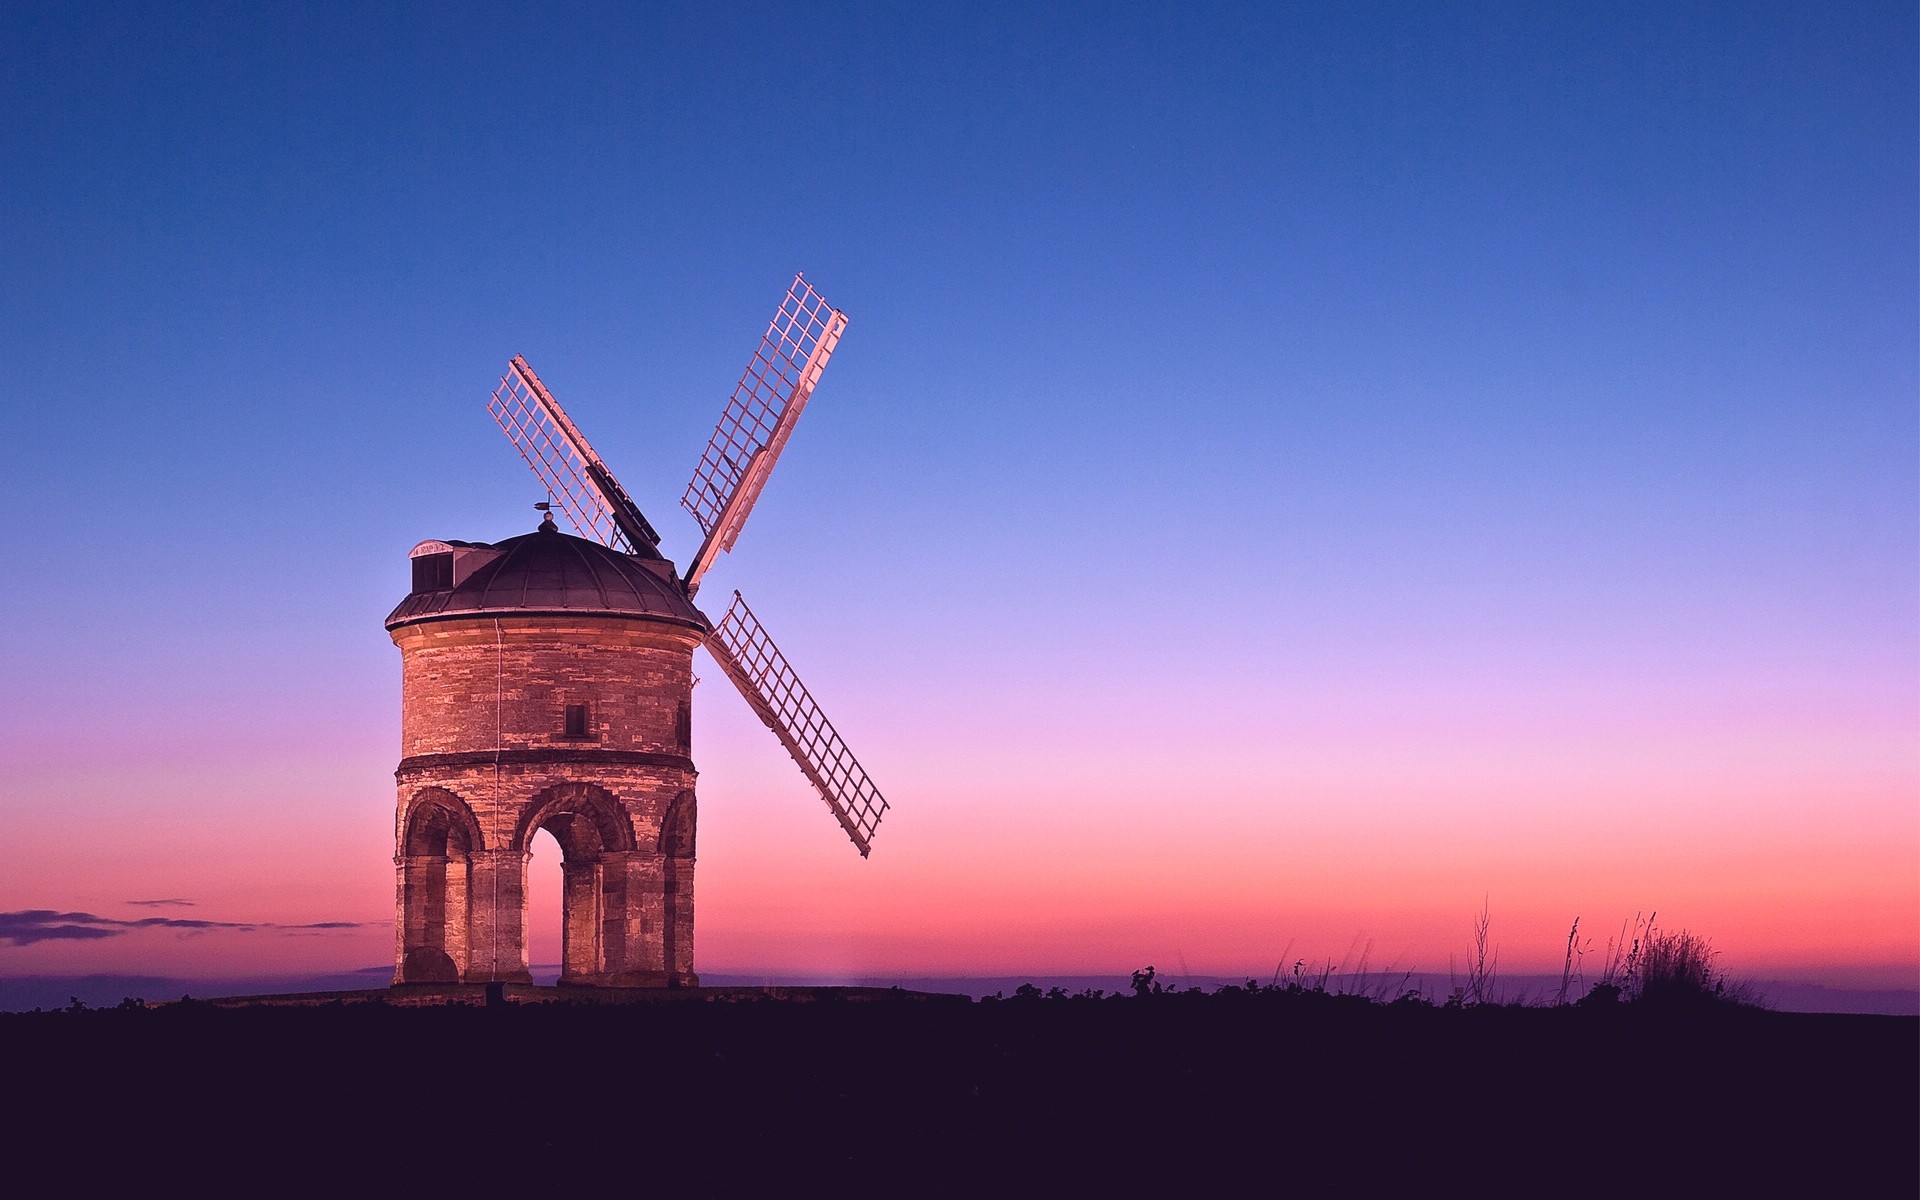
{"points": [[547, 683]]}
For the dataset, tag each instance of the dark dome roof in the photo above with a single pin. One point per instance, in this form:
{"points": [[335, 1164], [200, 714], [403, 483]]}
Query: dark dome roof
{"points": [[552, 572]]}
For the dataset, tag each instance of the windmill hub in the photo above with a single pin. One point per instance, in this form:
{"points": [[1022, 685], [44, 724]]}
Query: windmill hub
{"points": [[547, 683]]}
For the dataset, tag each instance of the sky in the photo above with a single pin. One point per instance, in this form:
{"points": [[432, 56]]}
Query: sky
{"points": [[1294, 475]]}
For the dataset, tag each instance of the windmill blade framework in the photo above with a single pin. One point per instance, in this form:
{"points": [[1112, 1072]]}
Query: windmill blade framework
{"points": [[759, 418], [753, 429], [771, 687], [579, 483]]}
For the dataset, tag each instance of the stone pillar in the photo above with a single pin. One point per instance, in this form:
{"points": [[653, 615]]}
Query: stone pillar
{"points": [[581, 960], [615, 956], [400, 919], [677, 894], [458, 933], [643, 925], [498, 948]]}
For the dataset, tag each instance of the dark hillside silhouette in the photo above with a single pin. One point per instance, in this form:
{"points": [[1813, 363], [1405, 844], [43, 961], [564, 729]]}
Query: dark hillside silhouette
{"points": [[879, 1093]]}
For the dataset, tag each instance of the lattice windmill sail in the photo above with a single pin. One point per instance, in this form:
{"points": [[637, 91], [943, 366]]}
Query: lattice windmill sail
{"points": [[580, 484], [756, 423], [783, 704], [727, 482]]}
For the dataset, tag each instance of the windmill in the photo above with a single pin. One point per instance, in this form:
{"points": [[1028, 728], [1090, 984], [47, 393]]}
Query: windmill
{"points": [[752, 431]]}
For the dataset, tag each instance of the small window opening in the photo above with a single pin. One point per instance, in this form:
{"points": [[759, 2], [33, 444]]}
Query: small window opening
{"points": [[433, 573], [576, 724]]}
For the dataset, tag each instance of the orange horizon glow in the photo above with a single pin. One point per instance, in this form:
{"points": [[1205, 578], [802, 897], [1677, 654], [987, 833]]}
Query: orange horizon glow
{"points": [[1385, 861]]}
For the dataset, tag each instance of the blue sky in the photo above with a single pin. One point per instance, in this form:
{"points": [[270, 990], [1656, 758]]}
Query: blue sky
{"points": [[1378, 376]]}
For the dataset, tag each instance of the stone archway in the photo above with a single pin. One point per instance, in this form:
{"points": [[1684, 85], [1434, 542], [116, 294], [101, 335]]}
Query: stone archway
{"points": [[439, 839], [596, 845]]}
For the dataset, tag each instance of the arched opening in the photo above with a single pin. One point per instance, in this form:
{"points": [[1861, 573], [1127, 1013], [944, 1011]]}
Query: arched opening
{"points": [[436, 884], [546, 909], [593, 838]]}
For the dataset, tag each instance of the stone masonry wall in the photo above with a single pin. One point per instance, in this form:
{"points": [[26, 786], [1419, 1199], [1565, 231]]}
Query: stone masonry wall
{"points": [[483, 732], [464, 679]]}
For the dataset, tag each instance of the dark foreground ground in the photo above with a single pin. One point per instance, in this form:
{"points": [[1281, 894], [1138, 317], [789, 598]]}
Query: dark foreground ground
{"points": [[866, 1092]]}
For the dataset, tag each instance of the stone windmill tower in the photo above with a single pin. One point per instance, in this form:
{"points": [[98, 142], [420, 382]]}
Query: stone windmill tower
{"points": [[547, 683]]}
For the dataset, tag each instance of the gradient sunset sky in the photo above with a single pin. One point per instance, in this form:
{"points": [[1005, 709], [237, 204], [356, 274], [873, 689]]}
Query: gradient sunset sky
{"points": [[1294, 472]]}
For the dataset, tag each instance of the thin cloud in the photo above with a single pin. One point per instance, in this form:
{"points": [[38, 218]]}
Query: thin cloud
{"points": [[30, 925], [45, 925], [172, 903]]}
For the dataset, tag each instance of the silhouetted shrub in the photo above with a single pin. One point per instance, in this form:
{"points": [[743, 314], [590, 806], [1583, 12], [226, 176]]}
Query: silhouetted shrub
{"points": [[1678, 969], [1601, 995]]}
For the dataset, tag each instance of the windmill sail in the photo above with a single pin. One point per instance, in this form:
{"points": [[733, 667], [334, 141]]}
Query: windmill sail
{"points": [[580, 484], [783, 704], [756, 423]]}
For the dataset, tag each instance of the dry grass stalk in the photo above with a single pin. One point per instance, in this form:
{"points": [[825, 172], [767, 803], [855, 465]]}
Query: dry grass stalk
{"points": [[1481, 963], [1570, 971]]}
